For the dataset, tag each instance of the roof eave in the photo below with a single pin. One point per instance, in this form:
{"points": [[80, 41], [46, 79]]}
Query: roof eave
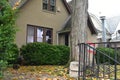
{"points": [[91, 25], [67, 6]]}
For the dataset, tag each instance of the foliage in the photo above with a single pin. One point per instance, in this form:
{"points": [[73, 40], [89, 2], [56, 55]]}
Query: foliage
{"points": [[3, 66], [43, 53], [107, 51], [7, 30], [64, 56], [44, 72], [53, 72], [12, 54], [7, 26]]}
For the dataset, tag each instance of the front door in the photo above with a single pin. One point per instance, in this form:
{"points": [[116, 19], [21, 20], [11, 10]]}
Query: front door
{"points": [[66, 39]]}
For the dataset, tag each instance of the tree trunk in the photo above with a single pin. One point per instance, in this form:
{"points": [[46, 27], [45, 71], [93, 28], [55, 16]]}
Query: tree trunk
{"points": [[79, 24]]}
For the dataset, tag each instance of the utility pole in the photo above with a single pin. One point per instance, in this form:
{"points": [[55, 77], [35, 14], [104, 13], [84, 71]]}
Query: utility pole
{"points": [[103, 29]]}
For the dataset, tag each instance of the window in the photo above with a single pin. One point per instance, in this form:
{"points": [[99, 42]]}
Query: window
{"points": [[39, 34], [49, 5]]}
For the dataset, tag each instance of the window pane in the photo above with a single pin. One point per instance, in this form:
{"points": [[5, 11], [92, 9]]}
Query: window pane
{"points": [[52, 2], [52, 5], [30, 39], [30, 34], [48, 35], [45, 1], [52, 8], [39, 35], [45, 6]]}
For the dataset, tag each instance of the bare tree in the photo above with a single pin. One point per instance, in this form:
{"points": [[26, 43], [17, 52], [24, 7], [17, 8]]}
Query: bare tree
{"points": [[79, 24]]}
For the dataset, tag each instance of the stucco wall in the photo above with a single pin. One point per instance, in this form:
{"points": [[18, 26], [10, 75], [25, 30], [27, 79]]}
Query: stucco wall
{"points": [[61, 39], [32, 13], [91, 37]]}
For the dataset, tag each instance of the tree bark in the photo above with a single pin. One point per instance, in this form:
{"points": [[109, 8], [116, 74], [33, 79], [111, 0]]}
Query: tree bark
{"points": [[79, 24]]}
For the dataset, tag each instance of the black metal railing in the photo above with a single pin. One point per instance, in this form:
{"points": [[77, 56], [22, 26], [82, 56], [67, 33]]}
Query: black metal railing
{"points": [[99, 61]]}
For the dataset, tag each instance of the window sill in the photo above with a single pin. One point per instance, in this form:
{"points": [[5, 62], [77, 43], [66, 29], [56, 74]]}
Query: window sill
{"points": [[51, 12]]}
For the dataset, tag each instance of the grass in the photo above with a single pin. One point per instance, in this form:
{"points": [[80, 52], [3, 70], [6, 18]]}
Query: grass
{"points": [[37, 72], [46, 72]]}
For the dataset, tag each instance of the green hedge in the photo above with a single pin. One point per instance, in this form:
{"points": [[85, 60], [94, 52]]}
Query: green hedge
{"points": [[108, 51], [45, 54], [11, 55]]}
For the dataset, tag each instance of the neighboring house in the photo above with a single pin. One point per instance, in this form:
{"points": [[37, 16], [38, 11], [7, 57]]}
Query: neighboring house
{"points": [[98, 25], [47, 21], [114, 24]]}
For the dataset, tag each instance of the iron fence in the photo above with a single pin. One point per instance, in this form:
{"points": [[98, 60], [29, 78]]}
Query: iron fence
{"points": [[99, 61]]}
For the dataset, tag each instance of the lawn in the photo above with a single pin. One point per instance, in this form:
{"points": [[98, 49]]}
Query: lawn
{"points": [[47, 72]]}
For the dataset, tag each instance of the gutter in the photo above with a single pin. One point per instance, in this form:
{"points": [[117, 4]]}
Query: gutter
{"points": [[22, 3]]}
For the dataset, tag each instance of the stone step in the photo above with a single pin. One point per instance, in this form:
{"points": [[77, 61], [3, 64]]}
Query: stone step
{"points": [[73, 71]]}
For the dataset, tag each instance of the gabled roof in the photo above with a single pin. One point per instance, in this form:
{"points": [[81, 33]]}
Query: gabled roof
{"points": [[67, 6], [17, 3], [67, 25], [22, 3], [112, 23], [91, 25]]}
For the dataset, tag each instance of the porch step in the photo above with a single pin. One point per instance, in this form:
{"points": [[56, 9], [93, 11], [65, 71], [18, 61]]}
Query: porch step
{"points": [[73, 72]]}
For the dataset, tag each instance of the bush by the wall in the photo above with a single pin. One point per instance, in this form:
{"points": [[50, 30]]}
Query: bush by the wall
{"points": [[13, 53], [108, 51], [3, 66], [64, 53], [46, 54]]}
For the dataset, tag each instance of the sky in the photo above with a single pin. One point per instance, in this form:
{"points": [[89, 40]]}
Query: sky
{"points": [[108, 8]]}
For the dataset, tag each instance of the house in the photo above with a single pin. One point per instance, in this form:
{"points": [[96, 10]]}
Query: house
{"points": [[98, 25], [114, 24], [64, 33], [47, 21]]}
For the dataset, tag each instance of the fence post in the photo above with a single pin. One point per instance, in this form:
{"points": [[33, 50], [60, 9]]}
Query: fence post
{"points": [[79, 61], [115, 52]]}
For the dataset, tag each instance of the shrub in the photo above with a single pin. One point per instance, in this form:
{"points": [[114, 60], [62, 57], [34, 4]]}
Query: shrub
{"points": [[44, 54], [7, 30], [64, 55], [108, 51], [11, 54], [3, 66]]}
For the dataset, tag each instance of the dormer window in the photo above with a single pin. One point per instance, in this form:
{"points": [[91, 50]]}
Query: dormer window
{"points": [[49, 5]]}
